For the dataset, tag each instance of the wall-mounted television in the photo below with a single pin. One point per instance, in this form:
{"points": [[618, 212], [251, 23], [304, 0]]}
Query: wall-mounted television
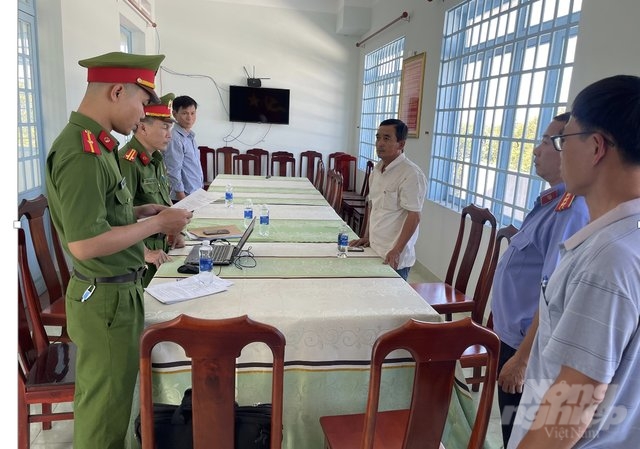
{"points": [[258, 105]]}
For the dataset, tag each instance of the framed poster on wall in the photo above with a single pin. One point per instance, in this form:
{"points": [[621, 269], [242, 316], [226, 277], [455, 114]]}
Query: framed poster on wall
{"points": [[411, 83]]}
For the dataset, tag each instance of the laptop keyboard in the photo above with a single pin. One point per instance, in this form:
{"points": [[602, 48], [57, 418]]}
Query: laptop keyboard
{"points": [[220, 253]]}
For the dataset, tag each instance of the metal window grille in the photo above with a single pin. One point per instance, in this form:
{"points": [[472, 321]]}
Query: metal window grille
{"points": [[505, 70], [380, 95], [30, 156]]}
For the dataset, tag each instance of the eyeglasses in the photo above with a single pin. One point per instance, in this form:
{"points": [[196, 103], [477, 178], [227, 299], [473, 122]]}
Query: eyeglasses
{"points": [[558, 140]]}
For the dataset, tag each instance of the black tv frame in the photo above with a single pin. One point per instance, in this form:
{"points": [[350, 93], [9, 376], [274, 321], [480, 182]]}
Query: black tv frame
{"points": [[259, 105]]}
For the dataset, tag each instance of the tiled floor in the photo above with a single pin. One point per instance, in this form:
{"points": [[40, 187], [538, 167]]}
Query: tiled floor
{"points": [[61, 434]]}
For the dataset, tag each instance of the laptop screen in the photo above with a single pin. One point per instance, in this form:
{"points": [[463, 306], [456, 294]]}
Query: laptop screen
{"points": [[245, 236]]}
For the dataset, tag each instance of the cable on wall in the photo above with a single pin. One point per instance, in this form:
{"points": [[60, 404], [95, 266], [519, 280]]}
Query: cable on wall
{"points": [[404, 15]]}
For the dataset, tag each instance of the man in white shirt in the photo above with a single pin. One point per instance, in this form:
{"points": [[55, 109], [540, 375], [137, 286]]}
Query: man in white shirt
{"points": [[397, 189]]}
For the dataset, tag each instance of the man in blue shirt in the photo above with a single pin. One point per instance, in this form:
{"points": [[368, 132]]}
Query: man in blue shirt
{"points": [[526, 265], [582, 386], [182, 157]]}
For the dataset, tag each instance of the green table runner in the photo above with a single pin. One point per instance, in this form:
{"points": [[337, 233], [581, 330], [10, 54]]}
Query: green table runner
{"points": [[294, 201], [292, 267], [251, 189], [301, 231]]}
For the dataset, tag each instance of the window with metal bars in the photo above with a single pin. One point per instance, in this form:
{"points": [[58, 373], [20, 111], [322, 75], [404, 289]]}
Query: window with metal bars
{"points": [[380, 95], [505, 70], [30, 154]]}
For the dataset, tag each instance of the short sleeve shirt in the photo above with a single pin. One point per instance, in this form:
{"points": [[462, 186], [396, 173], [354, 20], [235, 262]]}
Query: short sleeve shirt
{"points": [[589, 321], [400, 189], [532, 256], [88, 195]]}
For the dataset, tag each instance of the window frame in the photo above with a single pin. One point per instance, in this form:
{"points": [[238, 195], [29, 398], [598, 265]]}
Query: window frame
{"points": [[461, 171], [382, 72]]}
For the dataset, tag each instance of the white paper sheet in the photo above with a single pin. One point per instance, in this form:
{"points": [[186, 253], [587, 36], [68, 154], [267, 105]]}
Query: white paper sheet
{"points": [[197, 199], [198, 285]]}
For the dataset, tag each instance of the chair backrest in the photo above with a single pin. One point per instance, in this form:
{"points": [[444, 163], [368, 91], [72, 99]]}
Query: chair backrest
{"points": [[332, 159], [478, 218], [308, 164], [503, 234], [364, 190], [434, 378], [214, 346], [246, 164], [334, 190], [364, 223], [31, 338], [224, 160], [347, 165], [283, 165], [318, 181], [263, 160], [55, 272], [206, 162], [282, 153]]}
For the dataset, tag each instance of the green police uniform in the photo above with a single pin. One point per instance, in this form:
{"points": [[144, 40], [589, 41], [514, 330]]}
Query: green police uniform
{"points": [[88, 196], [147, 176], [148, 182]]}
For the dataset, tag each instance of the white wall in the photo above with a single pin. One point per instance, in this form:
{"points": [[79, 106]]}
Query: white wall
{"points": [[300, 51], [297, 50]]}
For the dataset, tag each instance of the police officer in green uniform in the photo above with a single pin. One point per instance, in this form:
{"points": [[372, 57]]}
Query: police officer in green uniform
{"points": [[142, 165], [92, 210]]}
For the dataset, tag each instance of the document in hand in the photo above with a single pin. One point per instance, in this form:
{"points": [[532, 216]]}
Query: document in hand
{"points": [[188, 288], [197, 199]]}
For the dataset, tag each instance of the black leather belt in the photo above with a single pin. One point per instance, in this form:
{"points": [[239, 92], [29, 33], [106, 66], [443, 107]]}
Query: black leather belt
{"points": [[134, 276]]}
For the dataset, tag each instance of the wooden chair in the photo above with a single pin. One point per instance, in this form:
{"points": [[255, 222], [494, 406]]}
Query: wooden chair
{"points": [[214, 346], [308, 162], [46, 371], [353, 203], [246, 164], [55, 271], [360, 218], [263, 160], [475, 356], [283, 165], [205, 151], [318, 181], [347, 165], [423, 423], [450, 296], [224, 160]]}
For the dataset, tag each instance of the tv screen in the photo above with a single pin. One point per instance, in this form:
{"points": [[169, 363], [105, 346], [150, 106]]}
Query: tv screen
{"points": [[258, 105]]}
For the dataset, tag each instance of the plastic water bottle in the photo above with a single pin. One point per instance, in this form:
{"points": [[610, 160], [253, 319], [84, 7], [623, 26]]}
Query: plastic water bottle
{"points": [[343, 240], [228, 196], [248, 213], [263, 229], [206, 262]]}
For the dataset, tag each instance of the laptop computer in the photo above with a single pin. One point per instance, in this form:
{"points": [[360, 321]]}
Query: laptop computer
{"points": [[222, 254]]}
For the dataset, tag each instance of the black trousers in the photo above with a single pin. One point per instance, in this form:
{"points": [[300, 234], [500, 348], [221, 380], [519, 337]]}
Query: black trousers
{"points": [[507, 402]]}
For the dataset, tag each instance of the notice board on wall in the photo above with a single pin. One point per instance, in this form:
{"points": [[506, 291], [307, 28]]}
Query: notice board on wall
{"points": [[411, 83]]}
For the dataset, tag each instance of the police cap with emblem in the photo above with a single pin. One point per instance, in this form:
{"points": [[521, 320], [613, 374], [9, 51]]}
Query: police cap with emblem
{"points": [[161, 111], [118, 67]]}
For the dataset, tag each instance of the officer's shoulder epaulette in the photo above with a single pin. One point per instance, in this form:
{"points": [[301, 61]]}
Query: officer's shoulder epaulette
{"points": [[90, 143], [130, 155], [565, 202]]}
